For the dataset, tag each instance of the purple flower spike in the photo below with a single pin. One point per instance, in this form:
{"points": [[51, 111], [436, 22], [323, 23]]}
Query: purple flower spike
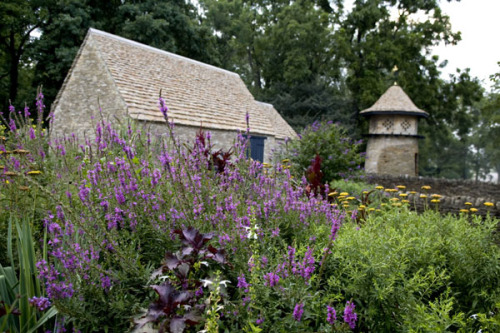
{"points": [[12, 125], [242, 282], [41, 303], [32, 133], [163, 108], [271, 279], [350, 317], [331, 315], [298, 311]]}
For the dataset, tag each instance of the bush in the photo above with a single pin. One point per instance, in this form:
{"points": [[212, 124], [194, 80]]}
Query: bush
{"points": [[407, 271], [340, 156]]}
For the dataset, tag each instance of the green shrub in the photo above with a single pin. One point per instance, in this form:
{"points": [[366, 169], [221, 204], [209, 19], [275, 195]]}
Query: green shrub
{"points": [[352, 187], [340, 156], [403, 269]]}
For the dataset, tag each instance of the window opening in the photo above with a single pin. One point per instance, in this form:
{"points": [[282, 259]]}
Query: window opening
{"points": [[388, 123], [406, 125]]}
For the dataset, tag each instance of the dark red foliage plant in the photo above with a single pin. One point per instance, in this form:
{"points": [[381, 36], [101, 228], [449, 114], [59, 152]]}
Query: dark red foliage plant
{"points": [[314, 177], [180, 298], [217, 160]]}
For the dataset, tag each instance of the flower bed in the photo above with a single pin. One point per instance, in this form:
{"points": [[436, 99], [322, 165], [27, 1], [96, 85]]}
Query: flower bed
{"points": [[131, 230]]}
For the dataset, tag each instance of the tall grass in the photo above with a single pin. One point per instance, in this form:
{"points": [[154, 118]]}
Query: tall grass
{"points": [[19, 282]]}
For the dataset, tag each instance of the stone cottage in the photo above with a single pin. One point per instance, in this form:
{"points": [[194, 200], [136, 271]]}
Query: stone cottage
{"points": [[393, 134], [124, 79]]}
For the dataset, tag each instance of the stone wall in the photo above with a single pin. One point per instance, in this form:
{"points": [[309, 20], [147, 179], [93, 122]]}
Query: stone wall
{"points": [[221, 139], [89, 87], [455, 192], [391, 155]]}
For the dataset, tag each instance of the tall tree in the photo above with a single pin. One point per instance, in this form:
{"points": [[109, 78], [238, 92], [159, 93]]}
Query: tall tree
{"points": [[489, 133], [453, 112], [19, 19], [284, 51], [302, 69], [379, 34]]}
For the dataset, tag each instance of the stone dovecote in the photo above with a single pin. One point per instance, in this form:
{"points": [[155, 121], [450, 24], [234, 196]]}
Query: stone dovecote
{"points": [[124, 78], [393, 134]]}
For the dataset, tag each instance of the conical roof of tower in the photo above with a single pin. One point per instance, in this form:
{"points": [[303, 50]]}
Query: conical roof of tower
{"points": [[394, 101]]}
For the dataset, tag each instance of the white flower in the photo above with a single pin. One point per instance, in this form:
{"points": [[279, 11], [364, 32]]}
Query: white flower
{"points": [[204, 263], [206, 283], [252, 231], [224, 282], [164, 277], [474, 316]]}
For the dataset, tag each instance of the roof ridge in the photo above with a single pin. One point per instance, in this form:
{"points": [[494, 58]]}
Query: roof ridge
{"points": [[264, 103], [150, 48], [70, 71]]}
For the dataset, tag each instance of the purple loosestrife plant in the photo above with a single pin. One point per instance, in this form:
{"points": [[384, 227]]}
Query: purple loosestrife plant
{"points": [[298, 311], [118, 199], [331, 315], [41, 303], [271, 279], [350, 317], [242, 283]]}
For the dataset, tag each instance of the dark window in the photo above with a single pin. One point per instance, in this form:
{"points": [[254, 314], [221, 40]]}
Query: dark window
{"points": [[257, 148]]}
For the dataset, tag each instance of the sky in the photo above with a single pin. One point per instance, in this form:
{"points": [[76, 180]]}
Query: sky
{"points": [[479, 49]]}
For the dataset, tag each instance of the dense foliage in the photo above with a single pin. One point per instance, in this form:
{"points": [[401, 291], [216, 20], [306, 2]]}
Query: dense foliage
{"points": [[129, 229], [399, 266], [340, 156]]}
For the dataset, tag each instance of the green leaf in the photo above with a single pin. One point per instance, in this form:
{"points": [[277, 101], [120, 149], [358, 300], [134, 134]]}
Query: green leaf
{"points": [[51, 312]]}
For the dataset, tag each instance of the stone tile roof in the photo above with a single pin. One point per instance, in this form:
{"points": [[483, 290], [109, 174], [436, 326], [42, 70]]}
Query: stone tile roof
{"points": [[281, 127], [394, 101], [195, 93]]}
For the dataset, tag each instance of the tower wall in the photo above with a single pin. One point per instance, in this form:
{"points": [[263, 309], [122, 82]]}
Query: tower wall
{"points": [[392, 155], [393, 124]]}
